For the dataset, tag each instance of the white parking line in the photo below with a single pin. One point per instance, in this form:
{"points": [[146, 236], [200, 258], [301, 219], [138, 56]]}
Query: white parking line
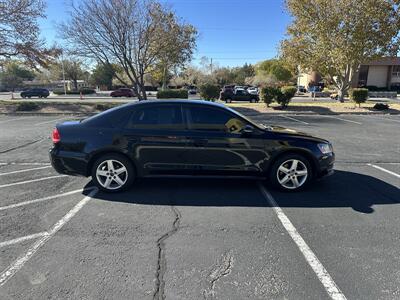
{"points": [[41, 199], [51, 121], [29, 181], [384, 170], [25, 170], [22, 164], [330, 286], [19, 262], [293, 119], [23, 239], [16, 119], [384, 119], [345, 120]]}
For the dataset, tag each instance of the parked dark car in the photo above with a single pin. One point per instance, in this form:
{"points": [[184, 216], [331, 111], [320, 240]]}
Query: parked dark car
{"points": [[178, 137], [123, 92], [229, 95], [36, 92]]}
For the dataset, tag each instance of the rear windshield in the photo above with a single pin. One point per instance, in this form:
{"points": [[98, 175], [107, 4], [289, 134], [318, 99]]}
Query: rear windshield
{"points": [[113, 117]]}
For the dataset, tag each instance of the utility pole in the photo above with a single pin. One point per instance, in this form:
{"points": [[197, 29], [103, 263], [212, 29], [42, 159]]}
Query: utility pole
{"points": [[211, 65], [63, 73]]}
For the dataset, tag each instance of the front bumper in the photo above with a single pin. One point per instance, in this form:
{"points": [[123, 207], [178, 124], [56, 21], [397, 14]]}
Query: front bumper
{"points": [[325, 165]]}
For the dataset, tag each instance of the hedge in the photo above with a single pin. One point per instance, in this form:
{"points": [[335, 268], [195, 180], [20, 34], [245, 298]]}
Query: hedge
{"points": [[28, 106], [358, 95], [85, 91], [171, 94], [209, 91]]}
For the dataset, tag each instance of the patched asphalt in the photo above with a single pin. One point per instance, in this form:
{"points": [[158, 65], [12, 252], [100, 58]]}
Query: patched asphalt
{"points": [[204, 238]]}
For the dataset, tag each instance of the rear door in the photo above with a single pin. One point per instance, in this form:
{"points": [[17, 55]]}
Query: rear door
{"points": [[156, 138], [241, 95], [217, 146]]}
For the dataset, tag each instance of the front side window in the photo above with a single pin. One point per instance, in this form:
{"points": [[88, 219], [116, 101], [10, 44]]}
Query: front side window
{"points": [[164, 117], [216, 120]]}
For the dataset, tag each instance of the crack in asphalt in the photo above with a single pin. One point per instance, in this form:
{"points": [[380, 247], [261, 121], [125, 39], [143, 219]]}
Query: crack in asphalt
{"points": [[22, 146], [222, 270], [161, 261]]}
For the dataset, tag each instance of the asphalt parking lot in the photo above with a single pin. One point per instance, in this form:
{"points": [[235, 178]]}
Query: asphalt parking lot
{"points": [[204, 239]]}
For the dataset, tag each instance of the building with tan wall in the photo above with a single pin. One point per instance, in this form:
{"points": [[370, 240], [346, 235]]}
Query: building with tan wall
{"points": [[382, 73]]}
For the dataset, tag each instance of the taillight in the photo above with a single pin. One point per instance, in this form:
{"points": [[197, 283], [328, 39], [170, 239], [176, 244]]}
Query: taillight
{"points": [[55, 136]]}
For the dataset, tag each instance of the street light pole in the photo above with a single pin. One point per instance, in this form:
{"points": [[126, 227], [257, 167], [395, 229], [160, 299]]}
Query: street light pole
{"points": [[63, 73]]}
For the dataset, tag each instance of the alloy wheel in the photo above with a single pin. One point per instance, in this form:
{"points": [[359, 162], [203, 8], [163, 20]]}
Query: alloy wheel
{"points": [[292, 174], [112, 174]]}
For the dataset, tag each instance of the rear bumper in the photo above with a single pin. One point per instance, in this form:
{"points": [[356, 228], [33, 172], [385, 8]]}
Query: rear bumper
{"points": [[69, 163]]}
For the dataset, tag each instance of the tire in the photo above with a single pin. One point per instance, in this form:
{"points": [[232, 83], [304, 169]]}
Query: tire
{"points": [[228, 100], [252, 100], [284, 177], [105, 180]]}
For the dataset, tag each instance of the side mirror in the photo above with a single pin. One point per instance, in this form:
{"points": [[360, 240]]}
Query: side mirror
{"points": [[248, 130]]}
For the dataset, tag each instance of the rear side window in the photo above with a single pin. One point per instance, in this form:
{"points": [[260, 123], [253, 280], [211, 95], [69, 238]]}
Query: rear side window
{"points": [[163, 117], [216, 120]]}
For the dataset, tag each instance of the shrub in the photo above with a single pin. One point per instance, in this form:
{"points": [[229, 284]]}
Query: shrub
{"points": [[209, 91], [269, 94], [285, 96], [87, 91], [104, 106], [28, 106], [358, 95], [168, 94]]}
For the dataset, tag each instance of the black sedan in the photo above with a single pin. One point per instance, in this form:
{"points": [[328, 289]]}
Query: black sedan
{"points": [[158, 138], [36, 92]]}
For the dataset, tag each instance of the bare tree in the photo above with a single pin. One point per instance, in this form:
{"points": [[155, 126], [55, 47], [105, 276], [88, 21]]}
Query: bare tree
{"points": [[19, 32], [128, 33]]}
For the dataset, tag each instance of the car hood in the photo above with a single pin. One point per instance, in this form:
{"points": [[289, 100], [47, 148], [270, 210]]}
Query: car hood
{"points": [[291, 132]]}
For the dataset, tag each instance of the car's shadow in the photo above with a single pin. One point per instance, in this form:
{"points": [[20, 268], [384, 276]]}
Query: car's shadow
{"points": [[343, 189]]}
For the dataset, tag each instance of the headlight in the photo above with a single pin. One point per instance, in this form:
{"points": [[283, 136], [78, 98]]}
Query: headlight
{"points": [[325, 148]]}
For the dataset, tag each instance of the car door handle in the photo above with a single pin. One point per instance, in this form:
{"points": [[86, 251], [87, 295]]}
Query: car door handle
{"points": [[200, 142]]}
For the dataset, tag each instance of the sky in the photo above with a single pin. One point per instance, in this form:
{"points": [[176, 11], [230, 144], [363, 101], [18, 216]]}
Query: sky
{"points": [[231, 32]]}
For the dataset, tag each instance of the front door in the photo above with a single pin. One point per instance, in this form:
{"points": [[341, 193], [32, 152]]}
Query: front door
{"points": [[156, 138], [218, 146]]}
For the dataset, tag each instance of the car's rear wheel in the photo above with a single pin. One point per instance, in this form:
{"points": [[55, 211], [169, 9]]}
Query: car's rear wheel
{"points": [[113, 173], [291, 172], [252, 100]]}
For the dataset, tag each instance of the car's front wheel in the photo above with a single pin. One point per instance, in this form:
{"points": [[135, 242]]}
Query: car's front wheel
{"points": [[113, 173], [291, 172]]}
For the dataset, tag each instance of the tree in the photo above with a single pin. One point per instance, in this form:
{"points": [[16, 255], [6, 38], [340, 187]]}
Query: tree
{"points": [[135, 34], [335, 37], [14, 74], [72, 70], [103, 75], [274, 68], [179, 42], [19, 32]]}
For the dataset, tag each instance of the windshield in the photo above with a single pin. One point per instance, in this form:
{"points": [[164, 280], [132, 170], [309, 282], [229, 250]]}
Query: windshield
{"points": [[248, 119]]}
